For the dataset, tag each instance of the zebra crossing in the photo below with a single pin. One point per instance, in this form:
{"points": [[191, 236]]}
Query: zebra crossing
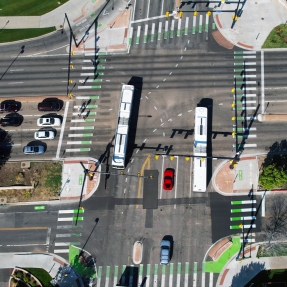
{"points": [[153, 275], [245, 97], [83, 120], [243, 217], [66, 224], [146, 33]]}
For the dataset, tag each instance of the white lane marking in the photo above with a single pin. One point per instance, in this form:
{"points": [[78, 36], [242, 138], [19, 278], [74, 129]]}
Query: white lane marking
{"points": [[64, 68], [195, 275], [33, 55], [162, 8], [48, 236], [62, 243], [66, 235], [246, 76], [166, 27], [92, 68], [155, 107], [12, 83], [190, 177], [172, 28], [157, 87], [175, 192], [179, 25], [249, 52], [145, 140], [176, 65], [62, 130], [137, 151], [246, 70], [81, 121], [17, 70], [148, 8], [248, 83], [194, 24], [211, 279], [164, 80], [170, 276], [246, 64], [154, 130], [283, 101], [159, 28], [61, 250], [250, 145], [160, 197], [145, 32], [247, 95], [170, 73], [262, 83], [186, 25], [203, 279], [163, 134], [65, 219], [189, 111], [276, 88], [89, 74]]}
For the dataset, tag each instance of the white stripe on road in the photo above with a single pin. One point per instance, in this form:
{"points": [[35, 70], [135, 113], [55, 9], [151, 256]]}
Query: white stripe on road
{"points": [[247, 95], [66, 235], [178, 27], [152, 31], [170, 276], [200, 22], [194, 24], [92, 68], [65, 219], [90, 74], [145, 33], [246, 70], [77, 142], [66, 211], [61, 250], [62, 243], [247, 83], [78, 135], [211, 279], [246, 64], [82, 121], [62, 130], [165, 29], [250, 145], [186, 25], [262, 83], [138, 34], [159, 29], [76, 149], [80, 128]]}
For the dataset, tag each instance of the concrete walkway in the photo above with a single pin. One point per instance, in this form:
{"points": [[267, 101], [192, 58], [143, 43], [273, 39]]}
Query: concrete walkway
{"points": [[55, 265], [238, 273], [256, 21]]}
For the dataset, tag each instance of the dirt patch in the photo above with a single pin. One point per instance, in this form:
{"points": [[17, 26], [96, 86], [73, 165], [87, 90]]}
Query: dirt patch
{"points": [[46, 176]]}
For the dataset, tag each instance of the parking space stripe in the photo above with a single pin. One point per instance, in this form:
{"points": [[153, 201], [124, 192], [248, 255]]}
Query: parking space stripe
{"points": [[145, 33], [245, 226], [170, 274], [242, 218], [159, 31], [200, 24], [165, 29], [138, 35], [178, 27], [155, 275], [99, 275], [178, 274], [116, 275], [163, 276], [194, 25], [194, 274], [186, 26], [131, 35], [107, 276], [152, 32]]}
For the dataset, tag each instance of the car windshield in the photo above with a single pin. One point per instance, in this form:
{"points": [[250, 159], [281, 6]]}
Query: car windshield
{"points": [[167, 185], [41, 121], [52, 121], [165, 247]]}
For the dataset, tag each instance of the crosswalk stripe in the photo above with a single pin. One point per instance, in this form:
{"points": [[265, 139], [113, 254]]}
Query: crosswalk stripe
{"points": [[66, 243], [77, 149], [65, 219], [155, 275], [243, 210], [194, 24], [163, 276], [107, 276], [210, 279], [90, 114], [172, 29], [244, 129], [145, 33], [246, 82], [245, 136], [68, 226], [89, 87], [165, 29], [116, 275], [88, 106], [83, 121], [235, 202], [244, 101], [131, 35], [170, 274], [123, 276], [203, 275], [178, 274], [186, 26], [245, 226], [244, 52], [61, 250], [140, 275], [82, 128], [80, 135], [99, 275], [194, 274], [200, 24], [138, 35], [71, 211], [68, 235], [186, 274], [246, 118], [245, 95], [152, 32], [243, 88], [244, 76], [87, 98], [245, 70], [159, 31], [96, 53], [242, 218], [147, 275], [91, 74], [93, 68], [92, 81], [245, 108], [245, 145], [206, 22], [79, 142], [178, 28], [246, 64]]}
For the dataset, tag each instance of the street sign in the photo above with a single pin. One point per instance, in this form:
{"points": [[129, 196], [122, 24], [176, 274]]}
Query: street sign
{"points": [[39, 207]]}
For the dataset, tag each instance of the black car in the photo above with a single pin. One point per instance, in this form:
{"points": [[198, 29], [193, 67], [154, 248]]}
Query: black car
{"points": [[10, 121]]}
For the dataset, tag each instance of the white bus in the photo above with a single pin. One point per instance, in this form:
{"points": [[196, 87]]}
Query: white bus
{"points": [[199, 150], [121, 137]]}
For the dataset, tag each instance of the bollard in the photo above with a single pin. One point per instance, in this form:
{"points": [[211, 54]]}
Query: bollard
{"points": [[180, 14], [233, 118], [166, 14], [156, 157], [187, 158], [232, 91], [208, 13], [233, 104], [233, 133], [71, 81], [72, 66], [171, 158], [72, 53], [195, 13]]}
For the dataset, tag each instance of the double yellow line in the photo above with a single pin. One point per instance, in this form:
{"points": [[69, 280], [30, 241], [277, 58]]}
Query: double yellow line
{"points": [[147, 161]]}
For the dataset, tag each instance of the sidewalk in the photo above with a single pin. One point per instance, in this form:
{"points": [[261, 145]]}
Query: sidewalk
{"points": [[238, 181], [256, 21], [237, 274], [73, 176], [55, 265]]}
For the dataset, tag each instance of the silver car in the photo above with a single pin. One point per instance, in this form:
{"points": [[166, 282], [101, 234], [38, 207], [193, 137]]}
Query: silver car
{"points": [[44, 135], [164, 252], [33, 149]]}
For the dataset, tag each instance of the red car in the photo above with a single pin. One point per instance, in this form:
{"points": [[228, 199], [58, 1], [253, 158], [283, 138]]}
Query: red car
{"points": [[168, 179], [9, 108]]}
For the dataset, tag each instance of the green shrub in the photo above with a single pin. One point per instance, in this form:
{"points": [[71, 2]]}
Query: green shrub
{"points": [[14, 281], [33, 283], [26, 278], [19, 274]]}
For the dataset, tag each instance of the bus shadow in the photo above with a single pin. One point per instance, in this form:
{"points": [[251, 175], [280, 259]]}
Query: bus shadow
{"points": [[208, 103], [137, 82]]}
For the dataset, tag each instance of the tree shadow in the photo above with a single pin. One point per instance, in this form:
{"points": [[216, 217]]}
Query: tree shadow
{"points": [[246, 273], [130, 273]]}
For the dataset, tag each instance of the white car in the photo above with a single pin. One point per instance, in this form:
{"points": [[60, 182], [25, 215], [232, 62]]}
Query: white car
{"points": [[44, 135], [48, 122]]}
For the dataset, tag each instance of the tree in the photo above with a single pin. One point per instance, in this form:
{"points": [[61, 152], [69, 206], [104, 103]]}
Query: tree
{"points": [[275, 231], [272, 176]]}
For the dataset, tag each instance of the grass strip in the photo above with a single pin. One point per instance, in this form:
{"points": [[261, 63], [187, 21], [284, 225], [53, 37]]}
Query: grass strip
{"points": [[41, 275], [28, 7], [11, 35], [277, 38]]}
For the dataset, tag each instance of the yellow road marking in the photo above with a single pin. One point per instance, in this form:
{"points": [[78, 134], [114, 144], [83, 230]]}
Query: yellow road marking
{"points": [[24, 228], [142, 170]]}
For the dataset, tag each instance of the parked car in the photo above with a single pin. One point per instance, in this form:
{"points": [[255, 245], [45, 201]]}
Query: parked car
{"points": [[3, 135], [49, 106], [44, 135], [33, 149], [168, 178], [164, 252], [48, 122], [9, 108], [10, 121]]}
